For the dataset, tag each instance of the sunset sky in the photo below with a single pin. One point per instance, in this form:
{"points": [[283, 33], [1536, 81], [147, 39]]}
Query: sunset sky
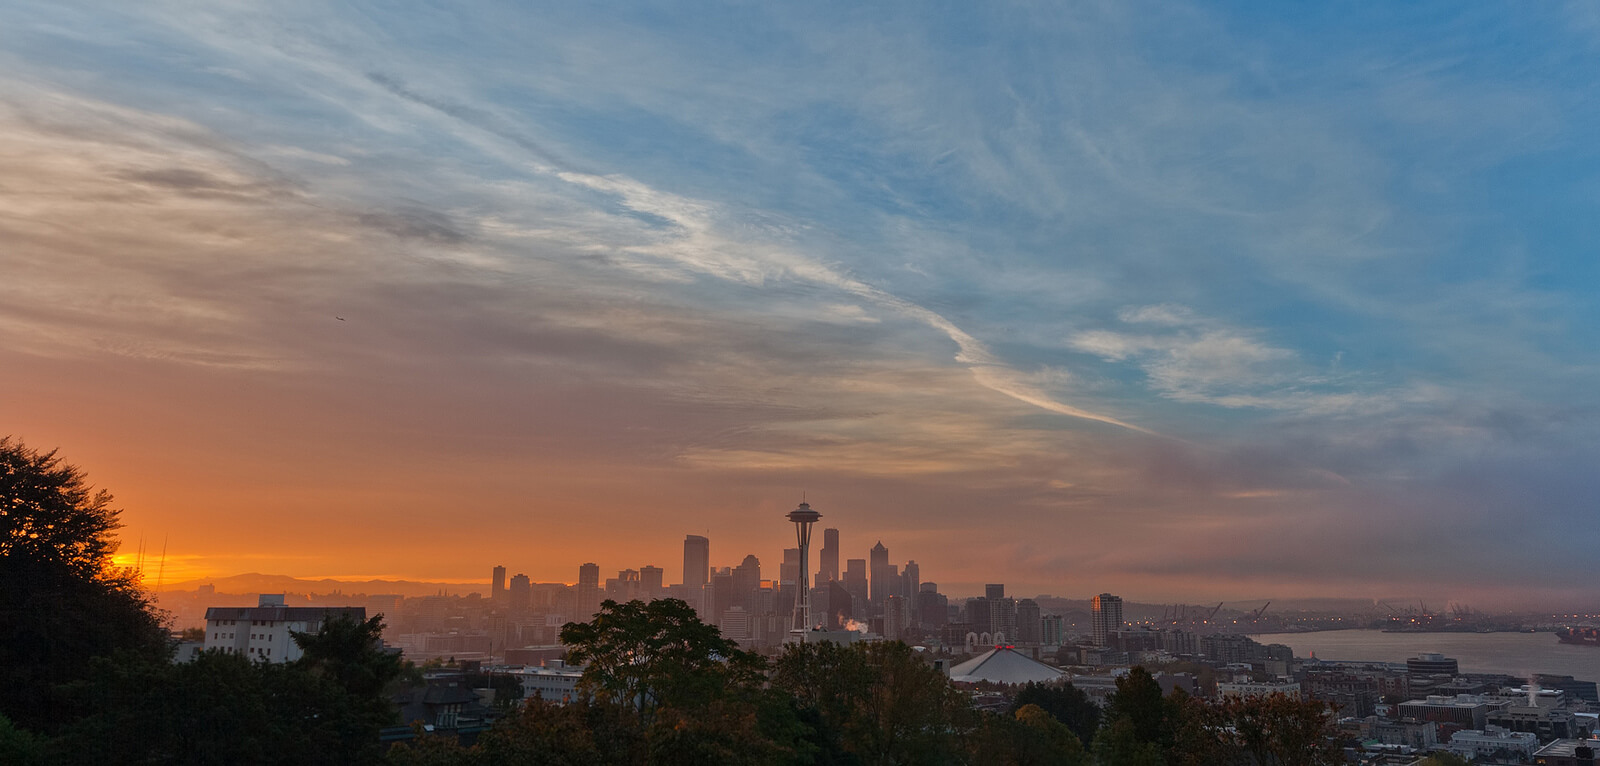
{"points": [[1182, 302]]}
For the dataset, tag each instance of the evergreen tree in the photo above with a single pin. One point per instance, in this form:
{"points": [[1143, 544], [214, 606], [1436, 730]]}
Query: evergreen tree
{"points": [[346, 658], [62, 603]]}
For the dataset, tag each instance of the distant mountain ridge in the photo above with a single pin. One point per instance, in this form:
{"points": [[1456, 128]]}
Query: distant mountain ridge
{"points": [[267, 583]]}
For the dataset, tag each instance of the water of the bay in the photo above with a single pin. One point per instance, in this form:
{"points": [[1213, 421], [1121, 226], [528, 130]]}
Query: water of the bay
{"points": [[1517, 654]]}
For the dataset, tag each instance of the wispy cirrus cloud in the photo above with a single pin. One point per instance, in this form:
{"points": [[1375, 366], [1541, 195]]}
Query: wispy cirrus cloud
{"points": [[923, 260], [1190, 358]]}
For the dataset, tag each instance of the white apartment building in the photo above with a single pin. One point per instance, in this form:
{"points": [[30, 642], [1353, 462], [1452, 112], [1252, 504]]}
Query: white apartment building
{"points": [[1493, 742], [263, 632], [554, 682]]}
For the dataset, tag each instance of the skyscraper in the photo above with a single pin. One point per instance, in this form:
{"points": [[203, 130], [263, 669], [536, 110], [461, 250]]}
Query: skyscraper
{"points": [[879, 557], [650, 578], [912, 577], [1029, 626], [497, 592], [521, 592], [746, 579], [1003, 619], [696, 562], [895, 620], [931, 606], [993, 591], [979, 615], [625, 588], [588, 591], [721, 596], [829, 562], [1107, 617], [855, 583], [1050, 630], [789, 571], [840, 605]]}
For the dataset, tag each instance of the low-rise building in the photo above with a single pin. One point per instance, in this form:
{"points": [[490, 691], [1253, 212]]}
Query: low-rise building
{"points": [[1465, 711], [1431, 664], [1568, 752], [1417, 735], [1004, 665], [1289, 689], [555, 681], [1546, 723], [1494, 744], [265, 631]]}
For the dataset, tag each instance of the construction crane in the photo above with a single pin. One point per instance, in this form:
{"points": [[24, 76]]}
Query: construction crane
{"points": [[1214, 611], [1256, 614]]}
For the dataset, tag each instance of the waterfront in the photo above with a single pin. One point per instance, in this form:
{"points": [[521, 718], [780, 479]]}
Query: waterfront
{"points": [[1518, 654]]}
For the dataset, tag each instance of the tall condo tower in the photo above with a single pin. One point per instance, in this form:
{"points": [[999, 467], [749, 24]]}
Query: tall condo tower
{"points": [[803, 517], [1107, 617]]}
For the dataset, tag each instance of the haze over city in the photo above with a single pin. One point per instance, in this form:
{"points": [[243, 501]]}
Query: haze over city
{"points": [[1183, 302]]}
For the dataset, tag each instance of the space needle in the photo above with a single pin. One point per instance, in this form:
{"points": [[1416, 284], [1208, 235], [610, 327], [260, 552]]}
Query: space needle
{"points": [[803, 517]]}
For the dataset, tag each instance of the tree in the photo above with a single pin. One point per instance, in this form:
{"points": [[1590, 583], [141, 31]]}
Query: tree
{"points": [[695, 696], [347, 656], [426, 749], [1152, 718], [1118, 744], [829, 683], [1201, 734], [1029, 737], [1443, 759], [18, 745], [876, 702], [1282, 730], [646, 655], [1065, 702], [326, 708], [63, 603], [220, 708], [546, 734]]}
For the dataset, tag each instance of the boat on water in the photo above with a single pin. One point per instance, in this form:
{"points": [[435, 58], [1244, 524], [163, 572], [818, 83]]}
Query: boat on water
{"points": [[1583, 635]]}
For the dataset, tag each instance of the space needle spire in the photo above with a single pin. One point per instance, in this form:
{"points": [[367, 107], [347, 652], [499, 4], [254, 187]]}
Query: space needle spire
{"points": [[803, 517]]}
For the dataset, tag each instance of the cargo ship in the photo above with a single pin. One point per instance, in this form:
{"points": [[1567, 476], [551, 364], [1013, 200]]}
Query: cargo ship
{"points": [[1585, 636]]}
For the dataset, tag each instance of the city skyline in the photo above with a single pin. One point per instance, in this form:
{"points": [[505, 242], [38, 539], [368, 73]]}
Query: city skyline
{"points": [[1175, 301]]}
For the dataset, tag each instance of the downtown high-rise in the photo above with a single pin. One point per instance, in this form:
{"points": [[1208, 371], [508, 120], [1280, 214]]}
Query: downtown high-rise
{"points": [[1106, 617], [696, 562], [879, 567], [828, 561]]}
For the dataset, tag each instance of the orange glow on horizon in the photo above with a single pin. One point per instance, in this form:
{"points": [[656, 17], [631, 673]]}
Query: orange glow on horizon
{"points": [[156, 572]]}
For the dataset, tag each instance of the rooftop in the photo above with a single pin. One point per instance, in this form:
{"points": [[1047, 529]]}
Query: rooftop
{"points": [[1003, 665]]}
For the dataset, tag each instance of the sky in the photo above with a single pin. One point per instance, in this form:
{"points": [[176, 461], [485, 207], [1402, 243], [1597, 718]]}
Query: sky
{"points": [[1184, 302]]}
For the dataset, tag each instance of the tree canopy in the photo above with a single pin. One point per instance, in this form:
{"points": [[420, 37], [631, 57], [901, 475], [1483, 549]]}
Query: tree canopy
{"points": [[1064, 702], [652, 654], [63, 603]]}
